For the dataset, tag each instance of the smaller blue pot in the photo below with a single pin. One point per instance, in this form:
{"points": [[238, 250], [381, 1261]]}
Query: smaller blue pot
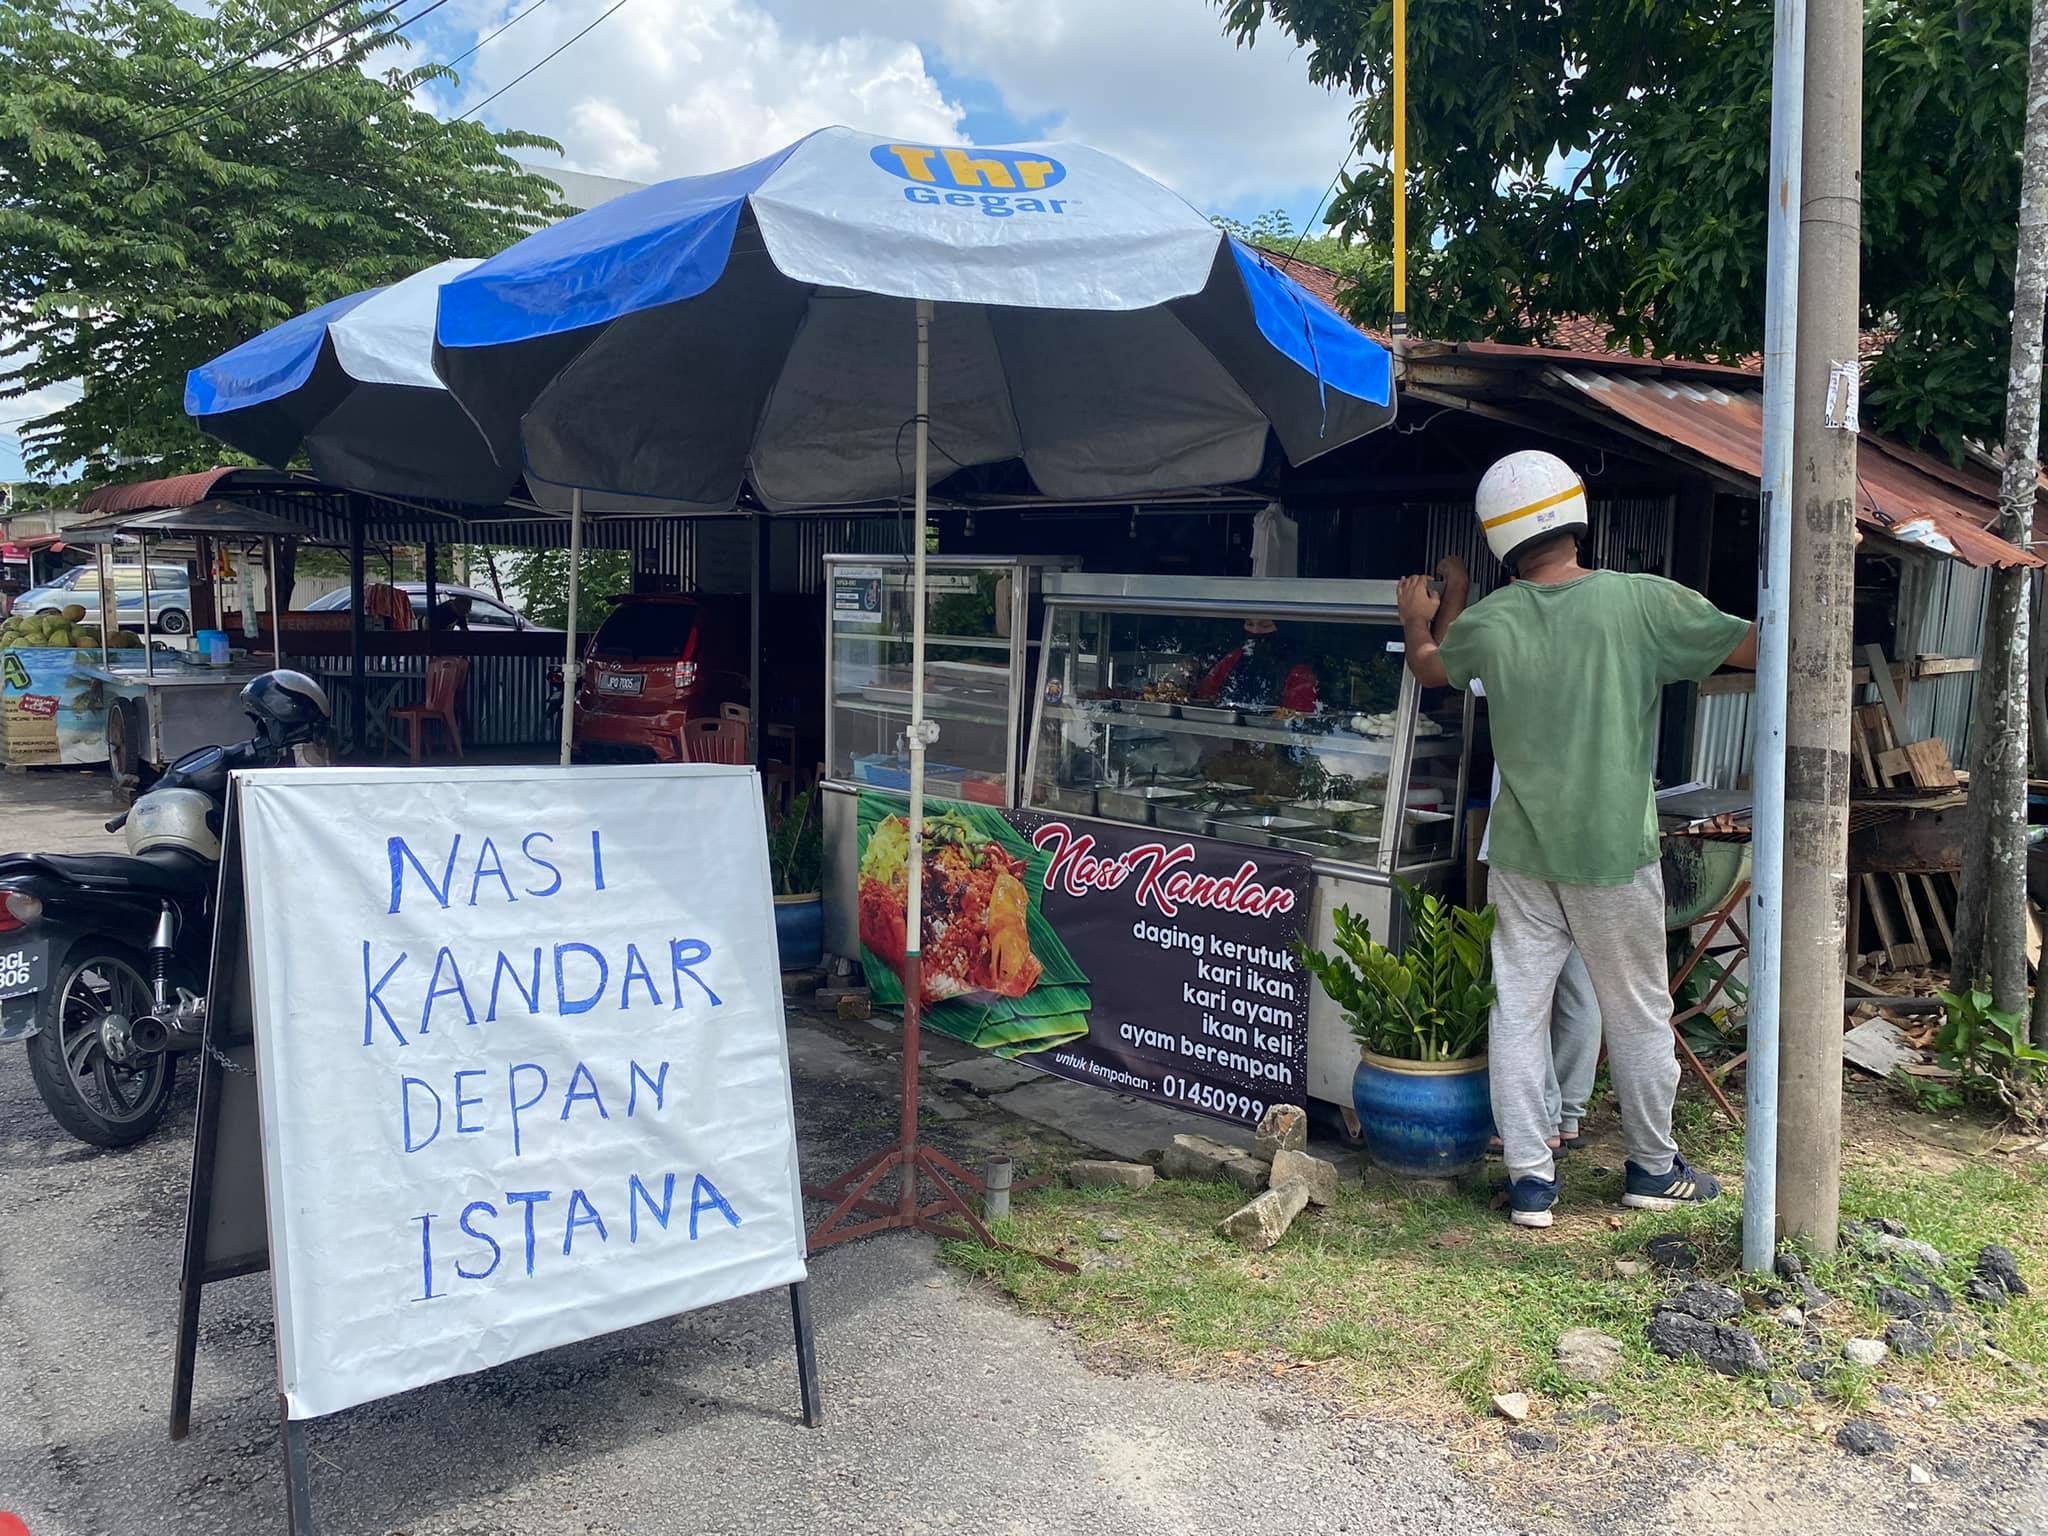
{"points": [[1423, 1119], [800, 931]]}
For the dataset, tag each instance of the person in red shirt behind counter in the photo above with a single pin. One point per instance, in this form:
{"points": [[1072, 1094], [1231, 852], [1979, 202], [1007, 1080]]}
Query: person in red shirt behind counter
{"points": [[1261, 674]]}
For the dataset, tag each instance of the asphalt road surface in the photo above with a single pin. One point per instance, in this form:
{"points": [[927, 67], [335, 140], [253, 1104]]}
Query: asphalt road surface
{"points": [[945, 1410]]}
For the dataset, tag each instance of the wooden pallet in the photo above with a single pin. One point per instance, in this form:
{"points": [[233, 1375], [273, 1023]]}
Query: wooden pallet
{"points": [[1907, 911]]}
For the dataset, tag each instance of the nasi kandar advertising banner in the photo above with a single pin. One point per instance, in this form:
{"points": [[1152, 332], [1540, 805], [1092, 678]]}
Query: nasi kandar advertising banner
{"points": [[1141, 961]]}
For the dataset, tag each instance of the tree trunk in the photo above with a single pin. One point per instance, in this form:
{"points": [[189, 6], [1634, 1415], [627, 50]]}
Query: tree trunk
{"points": [[1991, 925], [287, 573], [2037, 686]]}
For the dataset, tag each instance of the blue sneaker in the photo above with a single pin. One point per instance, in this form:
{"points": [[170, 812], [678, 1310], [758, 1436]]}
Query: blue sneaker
{"points": [[1683, 1185], [1530, 1200]]}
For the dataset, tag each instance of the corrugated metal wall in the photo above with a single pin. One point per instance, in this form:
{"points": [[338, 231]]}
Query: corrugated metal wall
{"points": [[1631, 534], [1941, 613]]}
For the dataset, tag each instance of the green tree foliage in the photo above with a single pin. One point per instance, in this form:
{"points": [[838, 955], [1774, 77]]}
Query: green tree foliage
{"points": [[1353, 260], [539, 578], [161, 202], [1609, 158]]}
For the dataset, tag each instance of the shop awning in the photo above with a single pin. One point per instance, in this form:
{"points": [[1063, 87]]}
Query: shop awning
{"points": [[1901, 494]]}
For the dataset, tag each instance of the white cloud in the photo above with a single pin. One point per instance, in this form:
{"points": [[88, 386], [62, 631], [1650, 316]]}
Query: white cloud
{"points": [[675, 87]]}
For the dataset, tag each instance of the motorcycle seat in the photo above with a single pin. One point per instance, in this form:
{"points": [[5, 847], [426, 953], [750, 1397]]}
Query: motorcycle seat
{"points": [[165, 872]]}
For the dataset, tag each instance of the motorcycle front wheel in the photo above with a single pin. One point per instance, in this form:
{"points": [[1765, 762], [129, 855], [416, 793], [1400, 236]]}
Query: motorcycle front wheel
{"points": [[96, 1098]]}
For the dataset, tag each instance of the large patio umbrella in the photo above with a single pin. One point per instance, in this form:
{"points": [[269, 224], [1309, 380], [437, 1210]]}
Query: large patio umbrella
{"points": [[353, 383], [782, 328]]}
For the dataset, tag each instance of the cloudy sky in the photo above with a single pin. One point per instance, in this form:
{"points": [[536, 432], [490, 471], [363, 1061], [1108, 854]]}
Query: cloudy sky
{"points": [[674, 87]]}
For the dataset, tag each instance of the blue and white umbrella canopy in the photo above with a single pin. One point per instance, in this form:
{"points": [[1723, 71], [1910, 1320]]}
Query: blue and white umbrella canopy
{"points": [[755, 327], [353, 382]]}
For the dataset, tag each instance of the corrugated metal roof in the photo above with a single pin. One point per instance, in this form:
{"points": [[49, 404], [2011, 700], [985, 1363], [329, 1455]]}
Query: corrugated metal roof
{"points": [[1900, 494], [149, 495]]}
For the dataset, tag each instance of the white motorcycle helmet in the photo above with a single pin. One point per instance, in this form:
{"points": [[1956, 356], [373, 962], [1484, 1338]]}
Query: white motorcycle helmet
{"points": [[173, 818], [1527, 496]]}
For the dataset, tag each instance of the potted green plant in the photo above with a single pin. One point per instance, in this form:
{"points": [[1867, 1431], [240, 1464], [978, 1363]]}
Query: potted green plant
{"points": [[1420, 1019], [795, 858]]}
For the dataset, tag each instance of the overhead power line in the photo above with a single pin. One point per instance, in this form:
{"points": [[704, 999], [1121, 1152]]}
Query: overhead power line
{"points": [[472, 48], [501, 90], [214, 76], [285, 77]]}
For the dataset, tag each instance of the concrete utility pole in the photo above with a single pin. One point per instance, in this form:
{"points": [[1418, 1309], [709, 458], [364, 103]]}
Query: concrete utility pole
{"points": [[1816, 895]]}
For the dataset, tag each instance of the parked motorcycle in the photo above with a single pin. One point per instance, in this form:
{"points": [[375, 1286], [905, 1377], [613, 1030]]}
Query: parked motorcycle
{"points": [[104, 956]]}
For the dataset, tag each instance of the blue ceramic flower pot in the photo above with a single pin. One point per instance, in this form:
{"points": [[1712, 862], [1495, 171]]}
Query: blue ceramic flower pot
{"points": [[1423, 1119], [800, 930]]}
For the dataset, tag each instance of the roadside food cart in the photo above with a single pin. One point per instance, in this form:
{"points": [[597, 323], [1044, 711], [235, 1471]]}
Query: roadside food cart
{"points": [[160, 702], [1272, 713], [981, 616]]}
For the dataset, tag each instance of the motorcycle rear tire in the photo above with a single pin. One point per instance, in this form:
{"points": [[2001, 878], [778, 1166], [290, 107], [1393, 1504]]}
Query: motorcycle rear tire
{"points": [[54, 1082]]}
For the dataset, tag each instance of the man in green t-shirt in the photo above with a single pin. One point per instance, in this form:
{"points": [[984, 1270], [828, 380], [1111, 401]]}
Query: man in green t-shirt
{"points": [[1573, 663]]}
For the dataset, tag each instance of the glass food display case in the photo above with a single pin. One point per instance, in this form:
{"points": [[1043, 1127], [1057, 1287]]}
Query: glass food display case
{"points": [[981, 623], [1273, 713]]}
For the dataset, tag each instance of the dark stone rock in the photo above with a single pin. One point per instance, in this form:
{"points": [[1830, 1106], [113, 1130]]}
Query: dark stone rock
{"points": [[1981, 1292], [1810, 1370], [1909, 1341], [1958, 1346], [1532, 1440], [1860, 1437], [1886, 1225], [1782, 1394], [1598, 1413], [1730, 1351], [1895, 1301], [1996, 1262], [1672, 1252], [1893, 1397], [1789, 1266], [1705, 1301], [1775, 1298], [2039, 1427]]}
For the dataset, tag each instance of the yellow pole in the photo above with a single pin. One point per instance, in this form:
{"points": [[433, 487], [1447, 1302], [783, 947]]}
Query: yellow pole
{"points": [[1399, 327]]}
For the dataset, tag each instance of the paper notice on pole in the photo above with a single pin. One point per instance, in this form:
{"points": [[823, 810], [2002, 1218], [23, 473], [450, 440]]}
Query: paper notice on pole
{"points": [[521, 1061]]}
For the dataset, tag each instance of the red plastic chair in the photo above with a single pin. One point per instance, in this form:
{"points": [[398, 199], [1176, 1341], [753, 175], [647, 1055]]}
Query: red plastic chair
{"points": [[446, 676], [714, 741]]}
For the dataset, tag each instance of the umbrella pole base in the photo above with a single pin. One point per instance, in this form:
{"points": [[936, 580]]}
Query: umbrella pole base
{"points": [[931, 1189]]}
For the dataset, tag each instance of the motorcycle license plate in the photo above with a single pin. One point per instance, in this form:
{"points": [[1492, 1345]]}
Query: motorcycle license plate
{"points": [[620, 682], [24, 965]]}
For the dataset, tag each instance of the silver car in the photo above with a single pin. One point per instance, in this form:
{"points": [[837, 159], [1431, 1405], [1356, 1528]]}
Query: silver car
{"points": [[170, 596]]}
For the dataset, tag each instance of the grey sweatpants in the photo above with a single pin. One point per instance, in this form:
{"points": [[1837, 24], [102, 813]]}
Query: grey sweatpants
{"points": [[1574, 1047], [1619, 931]]}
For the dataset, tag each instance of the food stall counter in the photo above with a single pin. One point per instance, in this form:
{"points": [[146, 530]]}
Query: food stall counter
{"points": [[1268, 713]]}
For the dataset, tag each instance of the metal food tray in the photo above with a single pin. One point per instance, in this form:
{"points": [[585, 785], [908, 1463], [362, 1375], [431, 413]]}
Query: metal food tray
{"points": [[1188, 817], [1159, 707], [1137, 805], [1271, 828], [1211, 714], [1076, 799]]}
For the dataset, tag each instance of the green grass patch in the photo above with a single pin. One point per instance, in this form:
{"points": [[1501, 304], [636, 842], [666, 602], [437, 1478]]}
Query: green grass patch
{"points": [[1429, 1307]]}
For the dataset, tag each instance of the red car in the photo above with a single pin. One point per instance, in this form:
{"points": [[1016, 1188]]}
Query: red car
{"points": [[655, 662]]}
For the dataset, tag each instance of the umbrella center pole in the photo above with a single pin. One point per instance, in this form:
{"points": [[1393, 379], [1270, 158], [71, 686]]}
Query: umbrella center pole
{"points": [[856, 1210]]}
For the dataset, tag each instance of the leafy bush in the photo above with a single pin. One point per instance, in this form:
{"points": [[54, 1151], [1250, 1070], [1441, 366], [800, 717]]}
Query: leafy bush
{"points": [[1988, 1050], [796, 847], [1433, 1001]]}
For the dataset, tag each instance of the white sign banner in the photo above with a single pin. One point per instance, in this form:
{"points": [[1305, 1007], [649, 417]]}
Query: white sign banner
{"points": [[521, 1062]]}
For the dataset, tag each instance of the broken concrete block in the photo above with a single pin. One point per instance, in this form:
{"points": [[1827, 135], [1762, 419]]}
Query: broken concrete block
{"points": [[1099, 1174], [854, 1006], [1248, 1173], [1317, 1176], [1264, 1221], [1283, 1128], [1197, 1157]]}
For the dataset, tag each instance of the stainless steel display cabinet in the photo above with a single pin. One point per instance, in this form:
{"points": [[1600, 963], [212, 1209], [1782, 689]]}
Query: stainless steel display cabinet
{"points": [[981, 624], [1273, 713]]}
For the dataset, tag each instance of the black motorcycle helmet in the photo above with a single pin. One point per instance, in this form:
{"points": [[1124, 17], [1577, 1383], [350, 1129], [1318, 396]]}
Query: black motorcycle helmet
{"points": [[288, 707]]}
